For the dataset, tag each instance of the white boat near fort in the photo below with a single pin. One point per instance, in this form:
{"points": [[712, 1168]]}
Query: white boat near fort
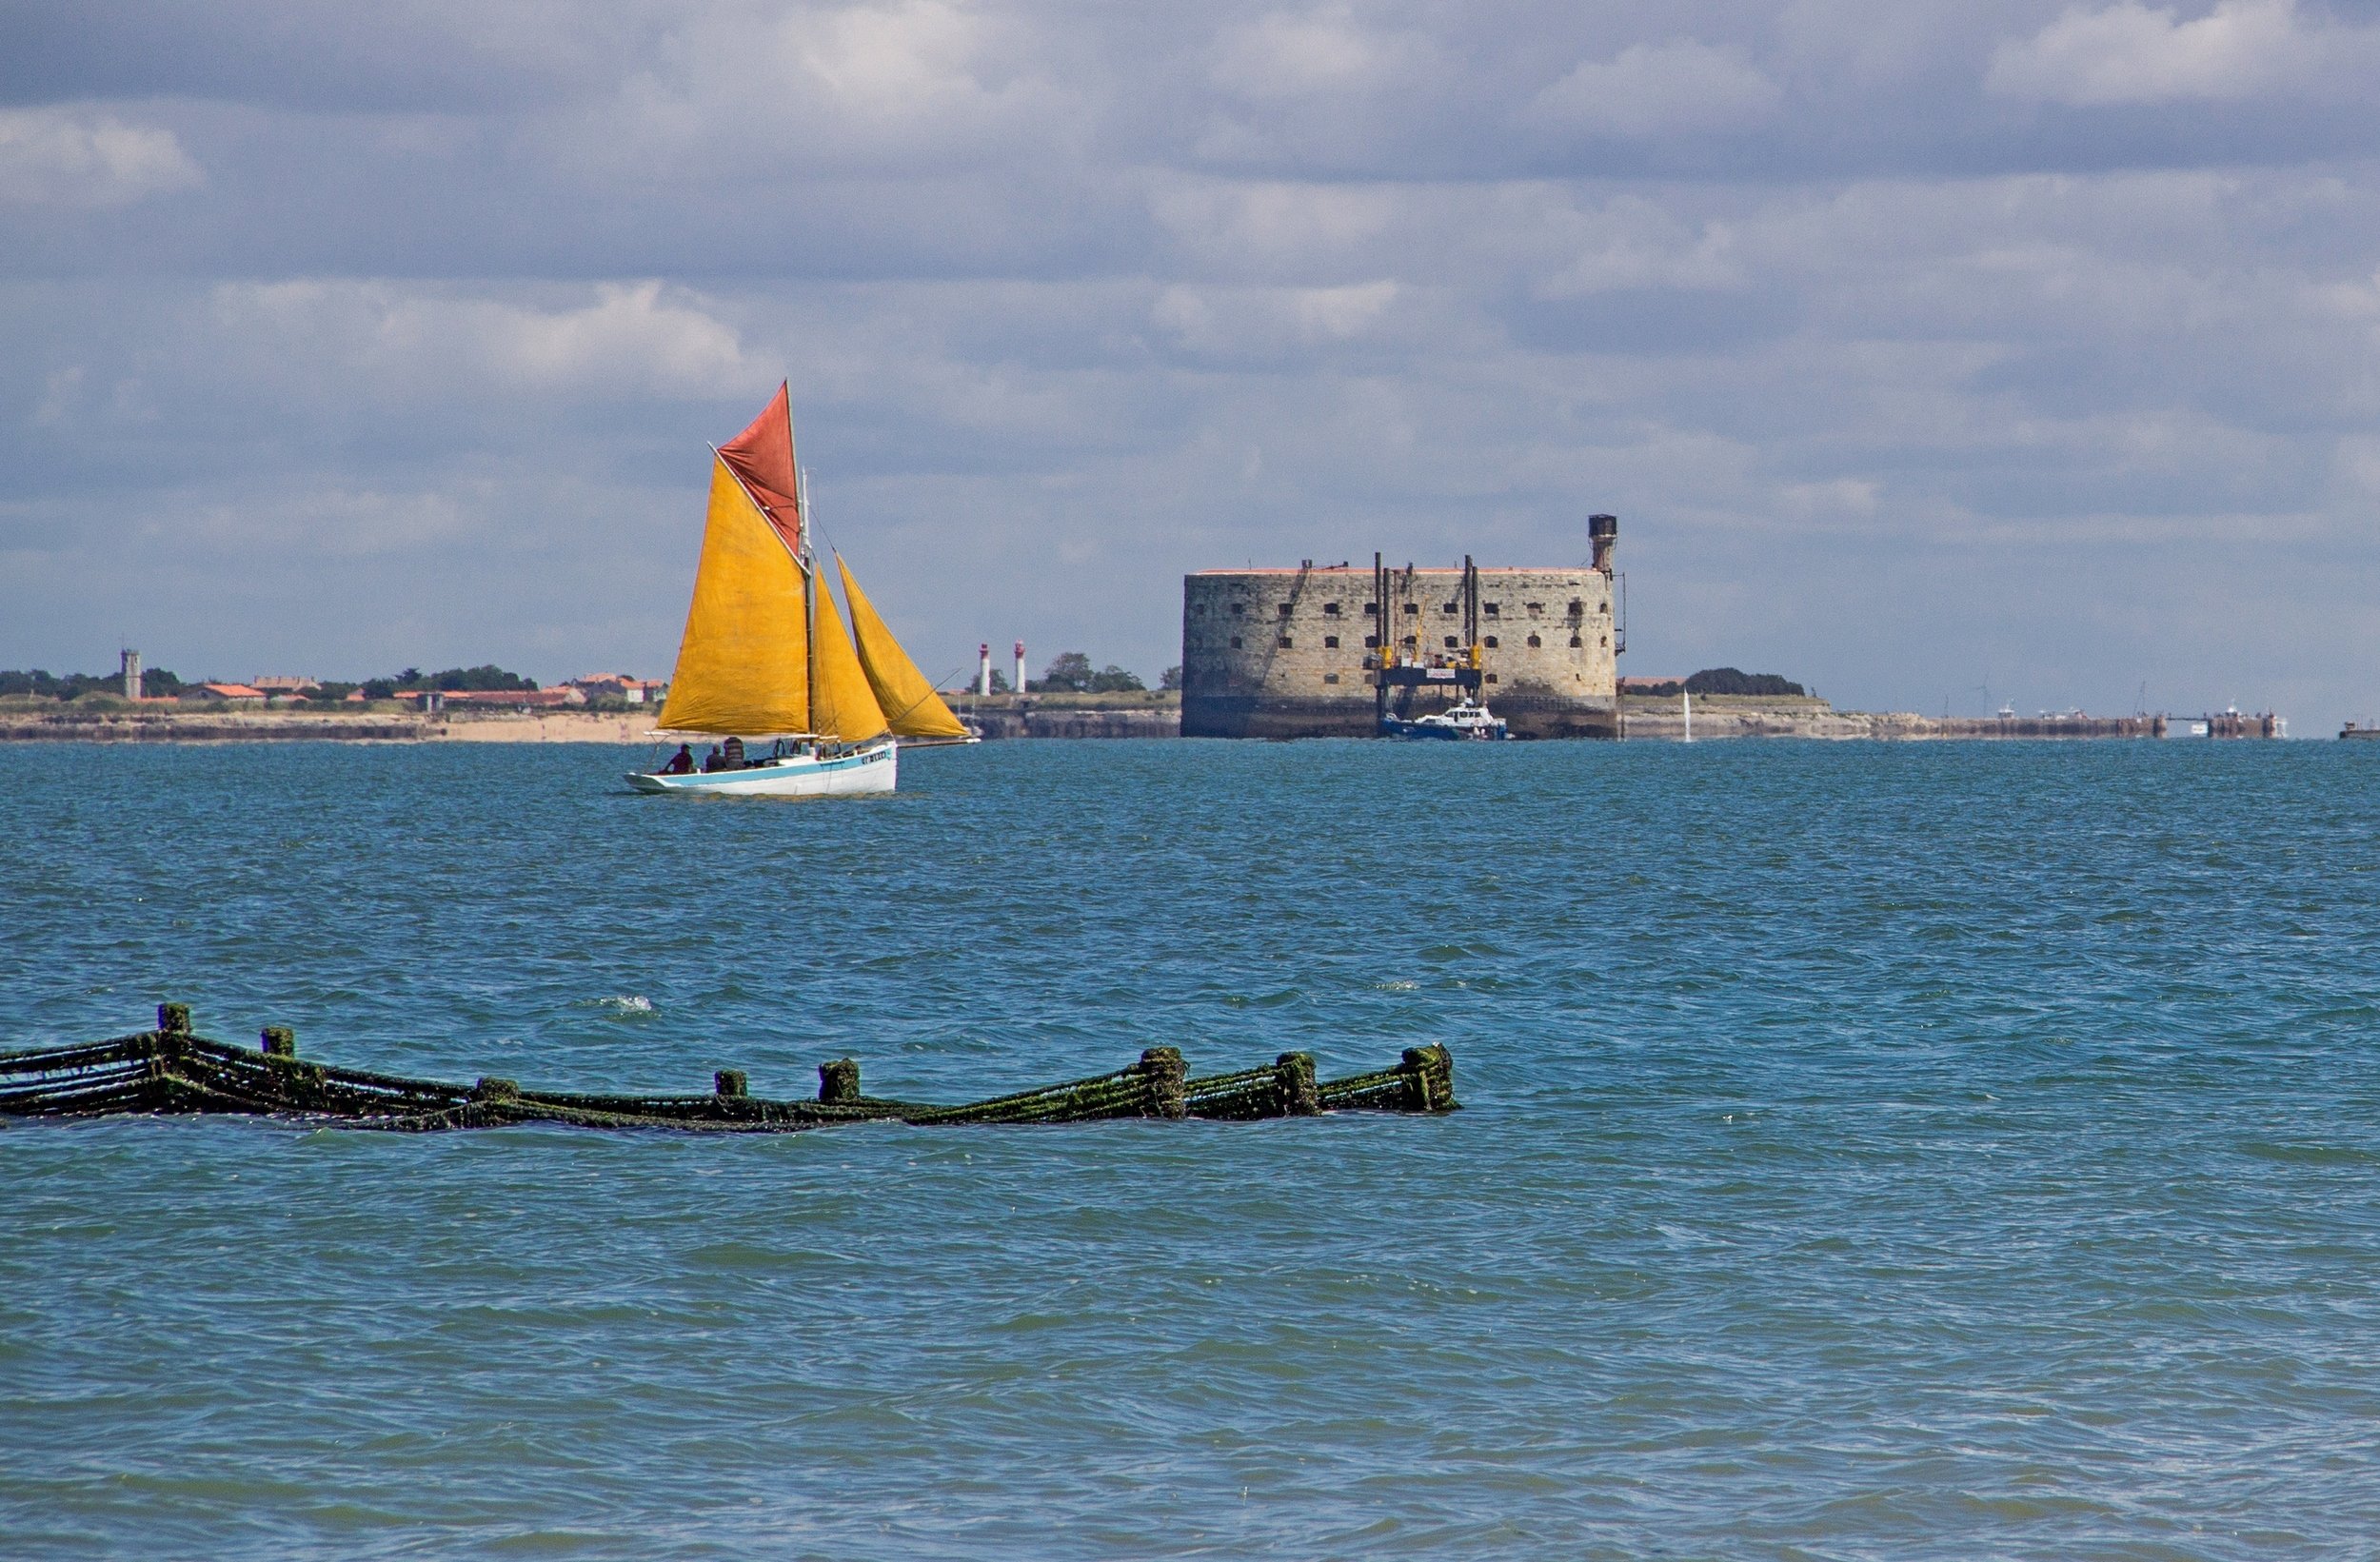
{"points": [[766, 656], [1465, 720]]}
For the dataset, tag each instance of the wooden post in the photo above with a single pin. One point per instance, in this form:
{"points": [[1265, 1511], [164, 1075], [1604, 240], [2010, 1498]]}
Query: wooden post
{"points": [[173, 1018], [1293, 1075], [1167, 1078], [300, 1085], [839, 1082], [728, 1082], [280, 1041], [492, 1089], [1429, 1079]]}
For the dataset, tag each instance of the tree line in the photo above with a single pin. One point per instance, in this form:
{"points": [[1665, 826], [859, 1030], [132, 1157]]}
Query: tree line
{"points": [[1724, 681], [1070, 672]]}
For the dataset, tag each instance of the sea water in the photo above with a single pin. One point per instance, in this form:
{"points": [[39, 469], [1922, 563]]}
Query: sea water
{"points": [[1927, 1151]]}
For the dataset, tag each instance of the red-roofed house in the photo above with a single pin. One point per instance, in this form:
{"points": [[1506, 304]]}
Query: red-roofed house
{"points": [[596, 685]]}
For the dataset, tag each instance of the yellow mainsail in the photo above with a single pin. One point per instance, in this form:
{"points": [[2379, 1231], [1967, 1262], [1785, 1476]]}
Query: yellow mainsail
{"points": [[908, 702], [844, 708], [742, 665]]}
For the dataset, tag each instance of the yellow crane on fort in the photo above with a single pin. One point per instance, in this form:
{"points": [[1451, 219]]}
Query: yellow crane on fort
{"points": [[1468, 718]]}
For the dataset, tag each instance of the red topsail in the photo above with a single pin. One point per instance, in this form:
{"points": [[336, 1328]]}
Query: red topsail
{"points": [[762, 456]]}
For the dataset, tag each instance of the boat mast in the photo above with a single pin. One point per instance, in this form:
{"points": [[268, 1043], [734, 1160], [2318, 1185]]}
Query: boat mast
{"points": [[807, 562]]}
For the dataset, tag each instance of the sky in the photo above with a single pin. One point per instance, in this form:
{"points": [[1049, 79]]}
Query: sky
{"points": [[1936, 354]]}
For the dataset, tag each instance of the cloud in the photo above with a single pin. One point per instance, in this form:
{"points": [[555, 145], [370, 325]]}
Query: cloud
{"points": [[2132, 54], [1277, 229], [899, 86], [77, 158], [1291, 56], [1271, 321], [1658, 89], [1633, 242], [634, 339]]}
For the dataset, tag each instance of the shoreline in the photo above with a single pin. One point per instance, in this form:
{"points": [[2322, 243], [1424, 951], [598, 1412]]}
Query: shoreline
{"points": [[129, 726], [1006, 718]]}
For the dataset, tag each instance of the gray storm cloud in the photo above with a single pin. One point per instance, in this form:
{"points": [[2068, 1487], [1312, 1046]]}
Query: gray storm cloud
{"points": [[1921, 348]]}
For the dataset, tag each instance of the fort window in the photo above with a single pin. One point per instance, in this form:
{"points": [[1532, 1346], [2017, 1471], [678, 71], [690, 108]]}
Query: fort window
{"points": [[1330, 642], [1330, 609], [1284, 643], [1491, 678], [1238, 608], [1371, 643], [1535, 640], [1576, 643], [1489, 609], [1451, 642], [1450, 609], [1371, 611], [1284, 610], [1491, 642], [1577, 608], [1413, 640], [1330, 677], [1607, 640], [1235, 643], [1535, 608], [1413, 609]]}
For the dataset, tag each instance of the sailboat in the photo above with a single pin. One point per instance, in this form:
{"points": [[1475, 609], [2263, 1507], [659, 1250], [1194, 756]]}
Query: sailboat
{"points": [[766, 657]]}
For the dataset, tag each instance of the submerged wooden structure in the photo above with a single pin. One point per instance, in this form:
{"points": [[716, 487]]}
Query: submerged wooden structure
{"points": [[171, 1070]]}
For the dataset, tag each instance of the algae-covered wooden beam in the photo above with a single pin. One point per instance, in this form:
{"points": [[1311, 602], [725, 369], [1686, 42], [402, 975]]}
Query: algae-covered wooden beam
{"points": [[173, 1070]]}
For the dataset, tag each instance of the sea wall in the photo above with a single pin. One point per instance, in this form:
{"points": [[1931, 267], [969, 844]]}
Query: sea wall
{"points": [[1737, 715], [1151, 715], [86, 725]]}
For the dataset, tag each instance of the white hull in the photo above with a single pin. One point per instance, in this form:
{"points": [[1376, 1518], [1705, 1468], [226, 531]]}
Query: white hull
{"points": [[1465, 722], [872, 769]]}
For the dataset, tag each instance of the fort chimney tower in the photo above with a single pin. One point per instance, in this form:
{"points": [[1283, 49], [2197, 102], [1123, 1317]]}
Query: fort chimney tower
{"points": [[983, 669], [1603, 534], [132, 675]]}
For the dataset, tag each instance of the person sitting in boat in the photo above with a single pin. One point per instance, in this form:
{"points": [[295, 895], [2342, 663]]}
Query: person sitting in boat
{"points": [[731, 755], [710, 760], [682, 762]]}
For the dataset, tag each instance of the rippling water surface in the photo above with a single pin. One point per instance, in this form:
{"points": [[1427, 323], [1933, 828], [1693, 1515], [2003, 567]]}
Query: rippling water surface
{"points": [[1870, 1152]]}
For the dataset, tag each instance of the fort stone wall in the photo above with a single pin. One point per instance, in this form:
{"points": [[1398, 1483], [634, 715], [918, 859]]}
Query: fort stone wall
{"points": [[1290, 653]]}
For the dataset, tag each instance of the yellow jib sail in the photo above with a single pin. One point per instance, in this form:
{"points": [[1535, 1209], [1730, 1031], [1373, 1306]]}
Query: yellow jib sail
{"points": [[907, 699], [845, 708], [742, 665]]}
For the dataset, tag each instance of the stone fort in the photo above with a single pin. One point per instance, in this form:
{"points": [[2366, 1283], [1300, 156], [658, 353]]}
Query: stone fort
{"points": [[1295, 653]]}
